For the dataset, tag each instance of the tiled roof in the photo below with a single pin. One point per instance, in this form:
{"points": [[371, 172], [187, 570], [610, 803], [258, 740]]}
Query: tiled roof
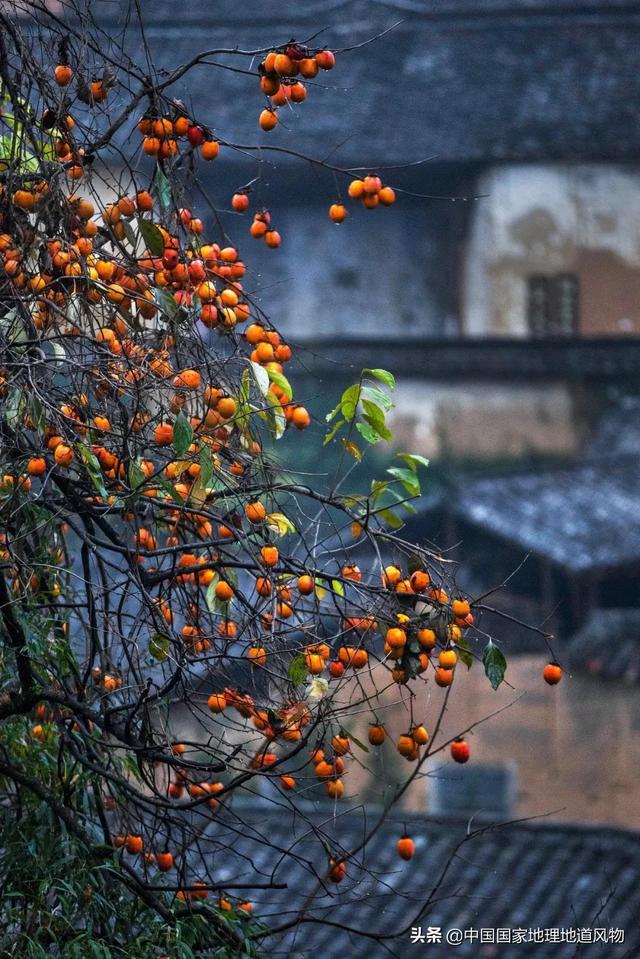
{"points": [[590, 645], [516, 876], [455, 80], [583, 517]]}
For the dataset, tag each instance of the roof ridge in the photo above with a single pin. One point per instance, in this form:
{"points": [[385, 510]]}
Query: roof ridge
{"points": [[485, 825]]}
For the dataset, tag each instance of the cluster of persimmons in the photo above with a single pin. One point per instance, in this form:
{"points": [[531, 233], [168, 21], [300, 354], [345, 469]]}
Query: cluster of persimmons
{"points": [[147, 390]]}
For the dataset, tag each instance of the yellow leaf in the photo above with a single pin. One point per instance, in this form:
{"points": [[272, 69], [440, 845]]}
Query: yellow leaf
{"points": [[280, 524]]}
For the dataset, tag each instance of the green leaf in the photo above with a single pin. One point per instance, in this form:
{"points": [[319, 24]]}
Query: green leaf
{"points": [[16, 332], [206, 467], [349, 401], [368, 433], [152, 236], [413, 460], [384, 376], [168, 487], [278, 421], [130, 236], [297, 671], [332, 432], [136, 476], [182, 434], [159, 647], [337, 587], [280, 380], [210, 596], [89, 458], [321, 591], [5, 142], [333, 413], [243, 408], [395, 495], [37, 413], [374, 414], [30, 164], [8, 319], [166, 302], [495, 664], [356, 741], [408, 479], [47, 151], [13, 408], [162, 188], [464, 652], [378, 488], [390, 518], [376, 396], [378, 425], [371, 401], [93, 468]]}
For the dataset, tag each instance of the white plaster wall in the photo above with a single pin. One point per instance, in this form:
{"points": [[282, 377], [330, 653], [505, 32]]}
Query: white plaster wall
{"points": [[483, 420], [549, 219]]}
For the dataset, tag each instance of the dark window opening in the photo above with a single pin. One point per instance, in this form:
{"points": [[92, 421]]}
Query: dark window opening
{"points": [[552, 305]]}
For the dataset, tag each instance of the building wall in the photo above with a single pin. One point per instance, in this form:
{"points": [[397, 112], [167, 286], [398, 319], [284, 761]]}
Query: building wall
{"points": [[484, 420], [382, 273], [582, 219]]}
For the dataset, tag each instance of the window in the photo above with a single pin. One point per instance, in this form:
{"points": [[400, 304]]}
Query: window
{"points": [[552, 305]]}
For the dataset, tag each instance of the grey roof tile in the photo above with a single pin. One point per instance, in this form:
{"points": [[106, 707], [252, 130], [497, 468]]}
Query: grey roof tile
{"points": [[583, 517], [461, 81], [537, 875]]}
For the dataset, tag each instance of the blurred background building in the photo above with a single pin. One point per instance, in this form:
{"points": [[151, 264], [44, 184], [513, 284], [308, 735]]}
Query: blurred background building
{"points": [[503, 290], [506, 297]]}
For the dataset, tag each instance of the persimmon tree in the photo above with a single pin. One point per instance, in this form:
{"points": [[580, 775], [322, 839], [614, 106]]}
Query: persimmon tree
{"points": [[158, 549]]}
